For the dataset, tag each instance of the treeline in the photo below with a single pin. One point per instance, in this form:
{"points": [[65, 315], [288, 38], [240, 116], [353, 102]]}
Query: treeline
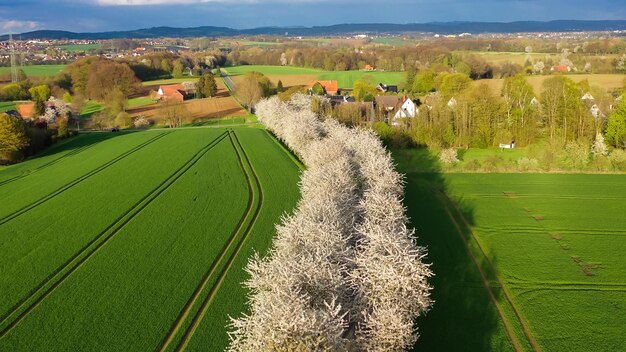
{"points": [[343, 272], [439, 55]]}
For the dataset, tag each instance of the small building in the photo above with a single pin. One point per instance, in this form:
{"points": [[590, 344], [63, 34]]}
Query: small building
{"points": [[383, 88], [340, 99], [406, 108], [587, 96], [369, 67], [561, 68], [26, 110], [330, 87], [176, 92]]}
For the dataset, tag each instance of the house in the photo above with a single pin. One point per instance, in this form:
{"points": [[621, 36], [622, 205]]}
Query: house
{"points": [[340, 99], [406, 108], [383, 88], [178, 92], [561, 68], [331, 87], [587, 96], [386, 105], [369, 67], [393, 108], [26, 110]]}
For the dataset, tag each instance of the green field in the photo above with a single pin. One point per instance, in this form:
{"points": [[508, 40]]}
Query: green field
{"points": [[36, 70], [345, 79], [6, 106], [140, 101], [549, 247], [111, 234], [80, 47], [271, 70]]}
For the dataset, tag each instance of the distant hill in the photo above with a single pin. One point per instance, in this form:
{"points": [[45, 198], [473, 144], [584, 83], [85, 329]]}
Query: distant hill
{"points": [[382, 28]]}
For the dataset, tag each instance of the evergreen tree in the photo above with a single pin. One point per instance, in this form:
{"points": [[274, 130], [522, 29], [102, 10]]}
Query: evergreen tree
{"points": [[279, 87]]}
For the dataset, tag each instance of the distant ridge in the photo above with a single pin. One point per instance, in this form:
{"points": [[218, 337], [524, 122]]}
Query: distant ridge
{"points": [[380, 28]]}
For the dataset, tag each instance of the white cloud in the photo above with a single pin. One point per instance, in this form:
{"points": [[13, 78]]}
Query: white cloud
{"points": [[11, 25]]}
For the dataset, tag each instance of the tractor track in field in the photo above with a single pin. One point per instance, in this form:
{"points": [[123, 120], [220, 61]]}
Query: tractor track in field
{"points": [[71, 184], [50, 163], [529, 337], [44, 289], [198, 293]]}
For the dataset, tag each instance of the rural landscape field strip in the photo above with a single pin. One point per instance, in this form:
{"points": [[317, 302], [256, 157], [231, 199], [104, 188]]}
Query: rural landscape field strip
{"points": [[46, 287], [62, 189], [509, 329], [21, 172], [206, 225], [253, 201], [557, 242], [529, 336], [278, 176], [254, 188]]}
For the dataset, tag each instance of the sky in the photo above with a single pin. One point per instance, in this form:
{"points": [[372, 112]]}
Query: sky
{"points": [[18, 16]]}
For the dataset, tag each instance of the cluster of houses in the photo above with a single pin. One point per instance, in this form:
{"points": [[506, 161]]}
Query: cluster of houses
{"points": [[395, 108], [392, 108]]}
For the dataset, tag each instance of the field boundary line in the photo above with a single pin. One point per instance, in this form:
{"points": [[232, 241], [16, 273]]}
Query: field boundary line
{"points": [[198, 292], [97, 243], [49, 163], [485, 281], [208, 300], [507, 294], [79, 180]]}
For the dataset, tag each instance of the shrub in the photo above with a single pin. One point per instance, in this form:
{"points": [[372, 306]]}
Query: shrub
{"points": [[575, 155], [528, 164], [123, 120], [141, 122], [618, 159], [449, 156], [599, 147]]}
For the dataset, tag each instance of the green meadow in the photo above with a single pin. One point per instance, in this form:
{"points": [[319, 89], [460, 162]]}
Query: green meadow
{"points": [[113, 233], [36, 70], [523, 261]]}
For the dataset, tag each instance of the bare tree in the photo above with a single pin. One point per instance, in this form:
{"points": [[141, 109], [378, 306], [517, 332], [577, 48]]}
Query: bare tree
{"points": [[174, 112]]}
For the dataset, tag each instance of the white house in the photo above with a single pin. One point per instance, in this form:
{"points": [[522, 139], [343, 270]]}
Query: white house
{"points": [[408, 109]]}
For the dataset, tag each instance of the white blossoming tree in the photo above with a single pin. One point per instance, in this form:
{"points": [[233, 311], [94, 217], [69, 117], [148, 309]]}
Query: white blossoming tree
{"points": [[344, 272]]}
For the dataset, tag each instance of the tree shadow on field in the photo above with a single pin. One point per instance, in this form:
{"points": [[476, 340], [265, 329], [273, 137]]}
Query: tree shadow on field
{"points": [[69, 147], [463, 316]]}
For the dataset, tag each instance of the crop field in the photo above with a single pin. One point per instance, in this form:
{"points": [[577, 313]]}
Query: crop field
{"points": [[109, 234], [80, 47], [36, 70], [606, 81], [6, 106], [523, 261], [293, 76]]}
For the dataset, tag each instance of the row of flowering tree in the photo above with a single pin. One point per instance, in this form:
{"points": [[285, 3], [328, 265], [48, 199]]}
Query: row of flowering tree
{"points": [[344, 272]]}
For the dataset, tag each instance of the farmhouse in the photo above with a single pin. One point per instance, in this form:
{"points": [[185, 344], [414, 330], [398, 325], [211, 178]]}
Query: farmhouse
{"points": [[393, 108], [369, 67], [330, 87], [178, 92], [561, 68]]}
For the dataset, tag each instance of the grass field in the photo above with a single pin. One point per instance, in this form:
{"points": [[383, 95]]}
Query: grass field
{"points": [[36, 70], [6, 106], [292, 76], [80, 47], [145, 231], [549, 248]]}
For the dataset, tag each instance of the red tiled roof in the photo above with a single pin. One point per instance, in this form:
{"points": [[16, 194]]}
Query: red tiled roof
{"points": [[331, 87], [26, 109], [172, 89]]}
